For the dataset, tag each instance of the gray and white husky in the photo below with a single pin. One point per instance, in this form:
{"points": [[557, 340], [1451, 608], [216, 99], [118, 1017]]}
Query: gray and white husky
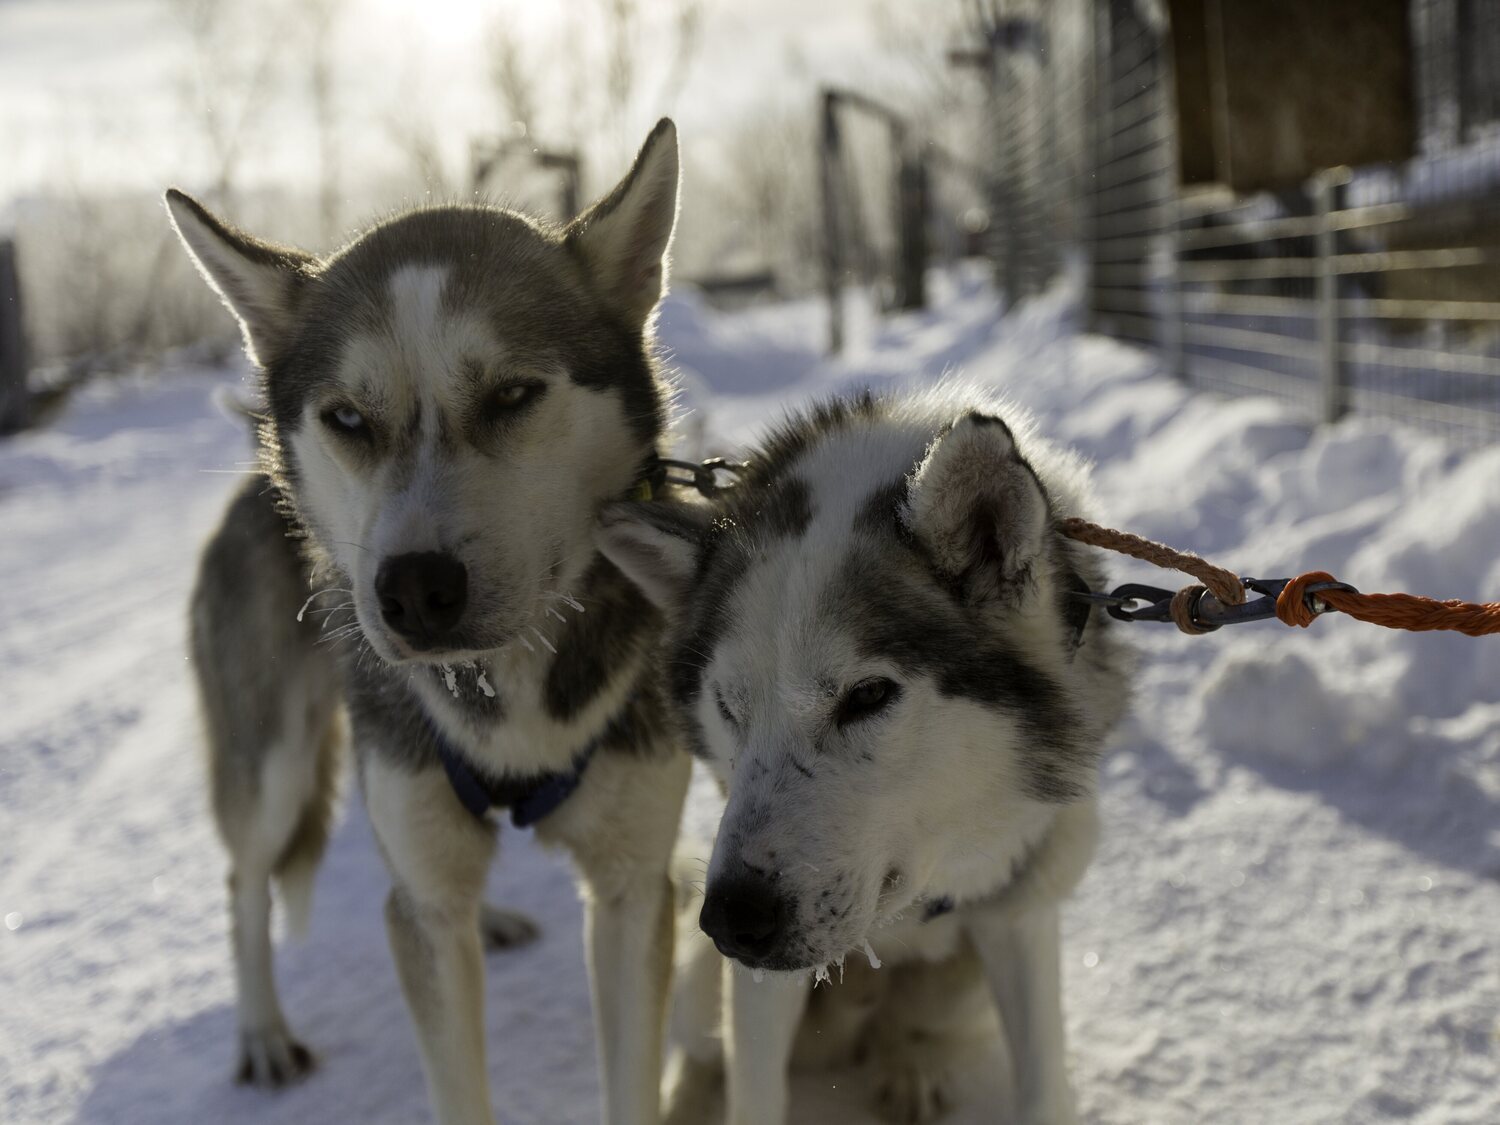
{"points": [[875, 640], [451, 400]]}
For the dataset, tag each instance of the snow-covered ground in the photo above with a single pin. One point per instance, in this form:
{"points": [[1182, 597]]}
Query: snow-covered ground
{"points": [[1293, 917]]}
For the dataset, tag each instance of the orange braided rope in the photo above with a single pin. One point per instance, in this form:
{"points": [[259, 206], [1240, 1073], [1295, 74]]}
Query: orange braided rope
{"points": [[1224, 584], [1293, 606], [1394, 611]]}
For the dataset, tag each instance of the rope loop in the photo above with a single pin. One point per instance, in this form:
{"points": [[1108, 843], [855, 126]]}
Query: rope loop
{"points": [[1223, 584], [1294, 607], [1184, 602], [1295, 604]]}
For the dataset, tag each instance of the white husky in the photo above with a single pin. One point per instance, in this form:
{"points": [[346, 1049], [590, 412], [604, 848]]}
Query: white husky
{"points": [[452, 399], [876, 639]]}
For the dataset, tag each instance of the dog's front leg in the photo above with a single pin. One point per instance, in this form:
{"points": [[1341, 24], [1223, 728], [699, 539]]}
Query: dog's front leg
{"points": [[629, 937], [761, 1025], [438, 856], [1020, 955]]}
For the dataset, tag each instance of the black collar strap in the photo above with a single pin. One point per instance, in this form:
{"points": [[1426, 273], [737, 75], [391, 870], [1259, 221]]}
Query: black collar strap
{"points": [[529, 797]]}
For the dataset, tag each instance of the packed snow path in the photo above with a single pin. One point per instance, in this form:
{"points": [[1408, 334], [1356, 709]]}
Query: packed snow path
{"points": [[1295, 911]]}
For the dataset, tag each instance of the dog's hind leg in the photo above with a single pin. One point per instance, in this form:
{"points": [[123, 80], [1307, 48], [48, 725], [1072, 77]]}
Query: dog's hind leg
{"points": [[762, 1026], [282, 837], [268, 1053], [270, 703], [438, 856]]}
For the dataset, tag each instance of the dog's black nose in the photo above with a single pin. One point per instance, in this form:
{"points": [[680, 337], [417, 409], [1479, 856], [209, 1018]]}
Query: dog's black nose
{"points": [[422, 595], [746, 918]]}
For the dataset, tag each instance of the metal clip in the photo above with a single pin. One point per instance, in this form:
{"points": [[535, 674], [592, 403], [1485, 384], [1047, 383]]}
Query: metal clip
{"points": [[1135, 602], [703, 476]]}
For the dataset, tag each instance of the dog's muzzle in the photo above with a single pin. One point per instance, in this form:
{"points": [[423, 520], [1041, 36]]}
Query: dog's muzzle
{"points": [[749, 920], [422, 596]]}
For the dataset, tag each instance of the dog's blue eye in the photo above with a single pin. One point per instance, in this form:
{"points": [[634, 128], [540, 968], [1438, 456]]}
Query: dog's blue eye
{"points": [[509, 398], [865, 699], [345, 419]]}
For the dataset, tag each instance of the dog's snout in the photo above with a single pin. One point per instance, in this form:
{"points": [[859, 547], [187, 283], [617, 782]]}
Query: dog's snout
{"points": [[422, 595], [747, 918]]}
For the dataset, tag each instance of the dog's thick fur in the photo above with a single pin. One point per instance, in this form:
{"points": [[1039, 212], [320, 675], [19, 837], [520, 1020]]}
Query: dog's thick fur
{"points": [[874, 642], [451, 400]]}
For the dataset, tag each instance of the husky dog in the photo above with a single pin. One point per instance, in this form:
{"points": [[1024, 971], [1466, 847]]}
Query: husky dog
{"points": [[451, 400], [875, 640]]}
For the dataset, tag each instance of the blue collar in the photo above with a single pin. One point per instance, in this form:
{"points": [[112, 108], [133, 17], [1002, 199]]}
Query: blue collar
{"points": [[531, 797]]}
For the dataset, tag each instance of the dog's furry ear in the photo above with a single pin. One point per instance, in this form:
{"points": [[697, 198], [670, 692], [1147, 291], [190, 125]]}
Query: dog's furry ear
{"points": [[978, 506], [258, 281], [624, 237], [656, 545]]}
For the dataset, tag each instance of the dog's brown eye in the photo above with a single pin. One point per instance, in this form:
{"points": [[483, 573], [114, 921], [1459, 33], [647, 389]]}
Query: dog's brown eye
{"points": [[506, 400], [346, 420], [865, 699]]}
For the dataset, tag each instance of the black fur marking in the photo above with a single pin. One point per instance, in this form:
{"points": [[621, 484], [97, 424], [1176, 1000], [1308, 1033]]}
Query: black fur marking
{"points": [[904, 619], [792, 438], [785, 512], [644, 725], [724, 561], [770, 503], [884, 511], [799, 767], [386, 715], [979, 418], [618, 622]]}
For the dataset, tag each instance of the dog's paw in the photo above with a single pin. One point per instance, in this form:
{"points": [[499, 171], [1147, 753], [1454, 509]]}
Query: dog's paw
{"points": [[271, 1058], [913, 1095], [505, 929]]}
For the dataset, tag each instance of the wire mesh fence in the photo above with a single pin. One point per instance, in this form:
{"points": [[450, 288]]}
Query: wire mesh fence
{"points": [[1374, 288]]}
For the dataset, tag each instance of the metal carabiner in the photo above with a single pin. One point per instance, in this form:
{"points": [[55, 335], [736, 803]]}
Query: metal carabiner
{"points": [[699, 475], [1135, 602]]}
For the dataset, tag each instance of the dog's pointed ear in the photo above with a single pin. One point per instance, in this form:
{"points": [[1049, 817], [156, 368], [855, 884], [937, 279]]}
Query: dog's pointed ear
{"points": [[623, 239], [258, 281], [979, 507], [656, 545]]}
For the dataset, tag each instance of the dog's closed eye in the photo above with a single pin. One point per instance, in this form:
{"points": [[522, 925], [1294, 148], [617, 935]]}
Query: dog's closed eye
{"points": [[866, 699], [724, 712]]}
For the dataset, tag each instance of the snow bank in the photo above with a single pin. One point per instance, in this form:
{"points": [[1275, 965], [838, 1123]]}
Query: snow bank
{"points": [[1292, 917]]}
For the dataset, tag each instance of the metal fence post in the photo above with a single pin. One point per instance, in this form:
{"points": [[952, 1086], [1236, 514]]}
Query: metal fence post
{"points": [[1328, 200], [911, 284], [828, 158], [15, 398]]}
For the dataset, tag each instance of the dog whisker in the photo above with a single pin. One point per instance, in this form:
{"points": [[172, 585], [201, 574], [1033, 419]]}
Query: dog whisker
{"points": [[316, 594]]}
